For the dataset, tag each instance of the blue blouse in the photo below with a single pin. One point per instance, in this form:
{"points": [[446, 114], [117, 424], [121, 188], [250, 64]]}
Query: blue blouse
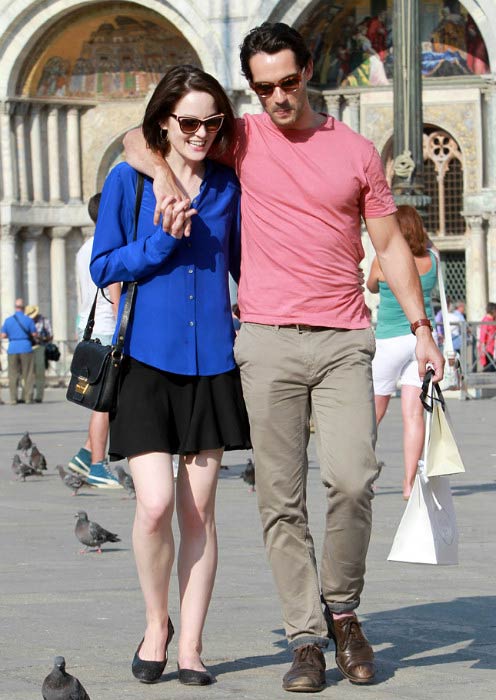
{"points": [[182, 320]]}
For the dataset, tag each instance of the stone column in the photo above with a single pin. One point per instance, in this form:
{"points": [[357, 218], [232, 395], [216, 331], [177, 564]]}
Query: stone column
{"points": [[489, 136], [36, 154], [58, 282], [354, 112], [491, 256], [476, 272], [333, 104], [7, 269], [53, 154], [408, 180], [20, 115], [6, 109], [30, 257], [73, 154]]}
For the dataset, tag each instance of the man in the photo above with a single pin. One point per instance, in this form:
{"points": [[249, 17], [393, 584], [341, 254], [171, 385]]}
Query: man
{"points": [[305, 341], [21, 332], [90, 460], [44, 333]]}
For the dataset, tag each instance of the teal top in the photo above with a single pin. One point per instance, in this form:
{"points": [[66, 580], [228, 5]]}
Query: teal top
{"points": [[391, 320]]}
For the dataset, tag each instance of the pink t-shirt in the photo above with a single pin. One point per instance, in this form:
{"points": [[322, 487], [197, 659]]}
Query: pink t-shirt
{"points": [[303, 192]]}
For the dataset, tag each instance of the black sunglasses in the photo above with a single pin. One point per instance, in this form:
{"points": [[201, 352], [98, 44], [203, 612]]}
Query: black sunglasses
{"points": [[190, 125], [289, 84]]}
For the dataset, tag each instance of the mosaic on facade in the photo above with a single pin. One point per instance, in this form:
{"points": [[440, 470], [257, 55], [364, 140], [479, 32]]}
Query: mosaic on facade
{"points": [[352, 43], [112, 52]]}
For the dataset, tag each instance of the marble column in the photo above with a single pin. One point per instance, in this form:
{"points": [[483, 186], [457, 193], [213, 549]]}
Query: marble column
{"points": [[354, 107], [73, 154], [491, 256], [20, 115], [6, 109], [333, 104], [489, 136], [36, 153], [30, 258], [7, 269], [53, 154], [476, 268], [58, 281]]}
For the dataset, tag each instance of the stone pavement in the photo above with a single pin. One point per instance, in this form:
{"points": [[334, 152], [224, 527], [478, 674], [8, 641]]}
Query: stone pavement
{"points": [[433, 628]]}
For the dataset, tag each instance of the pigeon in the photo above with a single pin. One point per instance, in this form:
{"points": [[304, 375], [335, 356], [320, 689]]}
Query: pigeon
{"points": [[16, 465], [126, 481], [36, 459], [248, 474], [92, 534], [72, 481], [22, 470], [60, 685], [25, 442]]}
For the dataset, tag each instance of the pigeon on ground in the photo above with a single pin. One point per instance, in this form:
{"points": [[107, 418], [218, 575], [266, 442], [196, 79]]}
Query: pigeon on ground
{"points": [[16, 465], [25, 442], [126, 481], [72, 481], [36, 459], [248, 474], [92, 534], [22, 470], [60, 685]]}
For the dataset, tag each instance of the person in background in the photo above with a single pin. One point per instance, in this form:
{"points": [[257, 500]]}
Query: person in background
{"points": [[90, 460], [394, 359], [180, 390], [44, 333], [21, 333], [305, 342], [487, 339]]}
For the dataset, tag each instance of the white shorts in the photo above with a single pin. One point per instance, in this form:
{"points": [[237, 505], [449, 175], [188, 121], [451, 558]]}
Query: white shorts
{"points": [[394, 362]]}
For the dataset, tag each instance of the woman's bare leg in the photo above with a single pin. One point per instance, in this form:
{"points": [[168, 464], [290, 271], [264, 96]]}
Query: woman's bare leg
{"points": [[197, 559], [413, 434], [381, 404], [153, 544]]}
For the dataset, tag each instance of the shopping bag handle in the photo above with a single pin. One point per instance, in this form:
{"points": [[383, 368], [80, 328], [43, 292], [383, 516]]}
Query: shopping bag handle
{"points": [[427, 397]]}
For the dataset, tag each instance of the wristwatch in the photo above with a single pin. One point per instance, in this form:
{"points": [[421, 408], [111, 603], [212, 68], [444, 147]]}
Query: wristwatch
{"points": [[420, 322]]}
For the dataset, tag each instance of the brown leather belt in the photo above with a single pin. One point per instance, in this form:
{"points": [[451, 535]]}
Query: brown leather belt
{"points": [[303, 327]]}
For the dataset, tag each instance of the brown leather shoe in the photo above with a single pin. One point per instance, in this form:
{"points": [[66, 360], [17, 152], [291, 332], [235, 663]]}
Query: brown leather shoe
{"points": [[307, 672], [354, 655]]}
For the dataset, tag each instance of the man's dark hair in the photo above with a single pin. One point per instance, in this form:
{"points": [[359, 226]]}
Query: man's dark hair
{"points": [[271, 38], [93, 206], [176, 83]]}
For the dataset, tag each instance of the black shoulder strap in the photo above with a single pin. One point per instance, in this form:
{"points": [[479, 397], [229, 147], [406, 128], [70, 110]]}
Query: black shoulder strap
{"points": [[28, 333], [131, 289]]}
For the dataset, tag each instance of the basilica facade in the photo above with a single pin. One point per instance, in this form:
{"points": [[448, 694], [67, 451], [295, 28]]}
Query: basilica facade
{"points": [[75, 76]]}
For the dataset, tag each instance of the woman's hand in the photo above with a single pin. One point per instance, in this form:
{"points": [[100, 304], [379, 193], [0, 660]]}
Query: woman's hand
{"points": [[172, 205]]}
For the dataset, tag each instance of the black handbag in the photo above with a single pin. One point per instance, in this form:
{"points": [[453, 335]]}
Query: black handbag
{"points": [[52, 352], [95, 368]]}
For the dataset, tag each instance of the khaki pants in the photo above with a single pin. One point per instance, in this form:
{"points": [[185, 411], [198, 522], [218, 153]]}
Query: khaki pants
{"points": [[39, 372], [21, 367], [286, 374]]}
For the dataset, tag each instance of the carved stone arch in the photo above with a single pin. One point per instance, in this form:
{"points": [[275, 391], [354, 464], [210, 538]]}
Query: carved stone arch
{"points": [[113, 154], [32, 20]]}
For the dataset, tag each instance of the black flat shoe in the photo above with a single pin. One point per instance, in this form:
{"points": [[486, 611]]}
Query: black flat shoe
{"points": [[188, 676], [151, 671]]}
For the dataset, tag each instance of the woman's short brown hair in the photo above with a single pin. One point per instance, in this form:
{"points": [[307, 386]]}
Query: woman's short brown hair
{"points": [[176, 83], [412, 228]]}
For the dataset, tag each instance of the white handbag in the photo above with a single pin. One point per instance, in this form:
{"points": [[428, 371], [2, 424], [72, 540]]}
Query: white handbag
{"points": [[427, 533], [441, 454]]}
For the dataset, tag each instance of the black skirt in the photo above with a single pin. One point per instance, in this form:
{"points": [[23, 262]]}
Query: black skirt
{"points": [[159, 411]]}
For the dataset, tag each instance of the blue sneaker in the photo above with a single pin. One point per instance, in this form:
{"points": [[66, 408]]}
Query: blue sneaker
{"points": [[81, 462], [101, 476]]}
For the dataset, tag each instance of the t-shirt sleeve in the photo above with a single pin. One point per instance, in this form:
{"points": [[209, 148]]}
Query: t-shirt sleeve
{"points": [[376, 198]]}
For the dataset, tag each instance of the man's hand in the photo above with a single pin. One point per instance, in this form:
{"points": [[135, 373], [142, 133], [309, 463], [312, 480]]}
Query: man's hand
{"points": [[427, 352], [172, 205]]}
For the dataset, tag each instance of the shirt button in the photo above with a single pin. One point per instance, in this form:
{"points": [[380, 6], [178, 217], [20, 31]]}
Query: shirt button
{"points": [[191, 296], [190, 272], [191, 323]]}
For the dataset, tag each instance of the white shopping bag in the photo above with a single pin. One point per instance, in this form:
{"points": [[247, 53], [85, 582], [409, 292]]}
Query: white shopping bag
{"points": [[427, 533]]}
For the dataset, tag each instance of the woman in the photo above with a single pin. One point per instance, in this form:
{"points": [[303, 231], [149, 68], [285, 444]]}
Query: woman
{"points": [[181, 390], [395, 345], [487, 338]]}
